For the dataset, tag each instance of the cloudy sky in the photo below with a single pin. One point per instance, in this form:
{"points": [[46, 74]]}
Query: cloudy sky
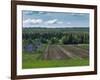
{"points": [[54, 19]]}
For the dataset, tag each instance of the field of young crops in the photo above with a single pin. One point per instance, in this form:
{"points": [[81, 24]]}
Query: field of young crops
{"points": [[57, 56]]}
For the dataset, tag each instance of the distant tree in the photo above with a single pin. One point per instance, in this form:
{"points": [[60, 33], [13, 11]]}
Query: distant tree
{"points": [[56, 37], [65, 40], [54, 40]]}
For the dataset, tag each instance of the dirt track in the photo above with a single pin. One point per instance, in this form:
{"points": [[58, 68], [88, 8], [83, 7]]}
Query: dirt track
{"points": [[54, 52]]}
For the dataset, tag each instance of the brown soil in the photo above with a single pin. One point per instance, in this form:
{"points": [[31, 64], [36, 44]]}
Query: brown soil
{"points": [[58, 52]]}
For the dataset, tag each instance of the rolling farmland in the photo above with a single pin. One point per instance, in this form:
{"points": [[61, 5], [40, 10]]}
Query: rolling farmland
{"points": [[55, 47]]}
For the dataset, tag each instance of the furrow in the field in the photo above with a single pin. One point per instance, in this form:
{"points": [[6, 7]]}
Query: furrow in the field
{"points": [[51, 53], [46, 53], [76, 51], [68, 53], [84, 53], [56, 54], [60, 54]]}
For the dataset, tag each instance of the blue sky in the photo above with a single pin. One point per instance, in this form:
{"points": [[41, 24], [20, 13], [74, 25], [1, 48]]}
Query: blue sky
{"points": [[54, 19]]}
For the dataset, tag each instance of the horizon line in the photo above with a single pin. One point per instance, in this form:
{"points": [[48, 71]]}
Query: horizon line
{"points": [[55, 27]]}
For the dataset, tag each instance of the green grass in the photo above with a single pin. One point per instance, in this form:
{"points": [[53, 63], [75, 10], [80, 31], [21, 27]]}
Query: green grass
{"points": [[54, 63]]}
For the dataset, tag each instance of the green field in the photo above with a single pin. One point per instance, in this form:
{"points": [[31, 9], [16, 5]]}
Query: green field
{"points": [[35, 60], [54, 63]]}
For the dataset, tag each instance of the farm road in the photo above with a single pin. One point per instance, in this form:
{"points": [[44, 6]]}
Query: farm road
{"points": [[58, 52]]}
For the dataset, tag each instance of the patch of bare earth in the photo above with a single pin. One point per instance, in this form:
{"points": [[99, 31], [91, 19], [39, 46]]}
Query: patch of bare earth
{"points": [[82, 53], [58, 52]]}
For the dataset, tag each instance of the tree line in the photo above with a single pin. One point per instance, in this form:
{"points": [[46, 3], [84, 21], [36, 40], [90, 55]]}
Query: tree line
{"points": [[57, 37]]}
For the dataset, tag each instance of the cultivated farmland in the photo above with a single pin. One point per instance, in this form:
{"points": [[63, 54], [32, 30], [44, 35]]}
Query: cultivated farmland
{"points": [[55, 47], [64, 52]]}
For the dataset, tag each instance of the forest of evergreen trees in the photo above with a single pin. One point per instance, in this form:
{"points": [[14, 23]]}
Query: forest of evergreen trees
{"points": [[57, 37]]}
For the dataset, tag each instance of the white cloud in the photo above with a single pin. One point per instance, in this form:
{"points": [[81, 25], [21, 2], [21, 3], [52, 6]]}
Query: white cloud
{"points": [[33, 21], [39, 22], [53, 21]]}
